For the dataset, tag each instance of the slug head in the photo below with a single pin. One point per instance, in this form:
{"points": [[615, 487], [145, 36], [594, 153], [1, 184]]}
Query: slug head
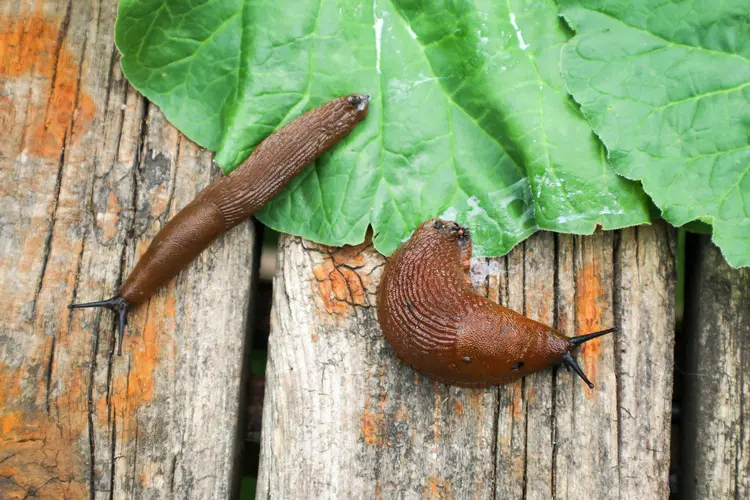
{"points": [[361, 102], [447, 234], [448, 229], [541, 345]]}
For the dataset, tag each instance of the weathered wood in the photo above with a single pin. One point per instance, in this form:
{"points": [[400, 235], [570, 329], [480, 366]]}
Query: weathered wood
{"points": [[343, 418], [716, 411], [89, 173]]}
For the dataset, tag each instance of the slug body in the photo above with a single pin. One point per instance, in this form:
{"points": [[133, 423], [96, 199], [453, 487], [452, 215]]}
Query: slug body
{"points": [[227, 202], [439, 326]]}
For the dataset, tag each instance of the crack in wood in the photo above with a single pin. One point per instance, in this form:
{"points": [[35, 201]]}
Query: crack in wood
{"points": [[525, 481], [739, 455], [48, 373], [495, 447], [112, 450], [172, 184], [61, 35], [556, 293], [173, 473], [135, 455], [90, 415], [616, 302], [47, 248]]}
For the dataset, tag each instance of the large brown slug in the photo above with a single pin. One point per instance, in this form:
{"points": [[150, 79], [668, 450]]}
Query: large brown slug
{"points": [[439, 326], [227, 202]]}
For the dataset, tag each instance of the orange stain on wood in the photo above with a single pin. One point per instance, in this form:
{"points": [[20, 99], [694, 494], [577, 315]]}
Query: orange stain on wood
{"points": [[590, 305], [371, 423], [135, 389], [458, 407], [476, 405], [113, 211], [369, 428], [27, 44], [170, 302], [146, 351], [476, 399], [531, 396], [436, 411], [28, 47], [36, 456], [10, 422], [10, 385], [145, 354], [378, 490], [338, 283], [7, 112], [84, 117], [518, 402]]}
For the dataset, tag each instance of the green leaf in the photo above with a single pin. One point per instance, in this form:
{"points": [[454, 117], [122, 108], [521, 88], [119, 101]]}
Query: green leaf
{"points": [[186, 59], [666, 86], [469, 116]]}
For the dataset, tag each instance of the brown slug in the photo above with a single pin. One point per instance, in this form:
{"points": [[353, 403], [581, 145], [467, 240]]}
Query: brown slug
{"points": [[230, 200], [439, 326]]}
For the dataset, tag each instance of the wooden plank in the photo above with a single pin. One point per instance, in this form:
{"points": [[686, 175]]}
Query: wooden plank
{"points": [[716, 410], [343, 418], [90, 172], [644, 356]]}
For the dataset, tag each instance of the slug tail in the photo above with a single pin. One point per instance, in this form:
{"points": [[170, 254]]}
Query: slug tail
{"points": [[117, 304]]}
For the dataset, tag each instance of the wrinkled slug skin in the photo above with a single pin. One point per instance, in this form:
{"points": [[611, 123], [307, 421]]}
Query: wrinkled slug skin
{"points": [[438, 325], [232, 199]]}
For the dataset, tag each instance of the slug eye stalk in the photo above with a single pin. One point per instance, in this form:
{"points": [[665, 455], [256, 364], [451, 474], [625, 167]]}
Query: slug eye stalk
{"points": [[580, 339], [570, 363], [117, 304]]}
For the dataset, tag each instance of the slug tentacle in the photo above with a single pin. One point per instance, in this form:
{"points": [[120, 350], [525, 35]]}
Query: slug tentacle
{"points": [[570, 363], [438, 325], [580, 339], [232, 199], [117, 304]]}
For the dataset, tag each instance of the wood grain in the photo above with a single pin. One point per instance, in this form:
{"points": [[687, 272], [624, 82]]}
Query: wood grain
{"points": [[343, 418], [89, 173], [716, 436]]}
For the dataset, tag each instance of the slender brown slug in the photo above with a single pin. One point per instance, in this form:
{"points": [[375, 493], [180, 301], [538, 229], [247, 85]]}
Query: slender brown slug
{"points": [[439, 326], [227, 202]]}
